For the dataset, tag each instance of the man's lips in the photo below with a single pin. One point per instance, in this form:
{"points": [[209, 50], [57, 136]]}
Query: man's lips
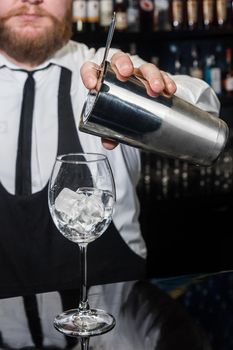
{"points": [[25, 19], [29, 16]]}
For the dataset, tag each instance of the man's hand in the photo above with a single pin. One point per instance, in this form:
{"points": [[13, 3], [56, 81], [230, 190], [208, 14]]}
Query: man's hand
{"points": [[158, 81]]}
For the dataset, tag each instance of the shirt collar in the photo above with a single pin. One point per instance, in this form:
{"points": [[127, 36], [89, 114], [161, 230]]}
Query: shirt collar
{"points": [[61, 58]]}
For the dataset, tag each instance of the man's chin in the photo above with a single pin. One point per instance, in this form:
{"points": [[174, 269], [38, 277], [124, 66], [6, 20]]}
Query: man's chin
{"points": [[31, 28], [30, 34]]}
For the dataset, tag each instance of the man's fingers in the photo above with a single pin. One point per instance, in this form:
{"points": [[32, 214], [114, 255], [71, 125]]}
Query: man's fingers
{"points": [[89, 74], [109, 144], [123, 64], [170, 86], [158, 80], [154, 77]]}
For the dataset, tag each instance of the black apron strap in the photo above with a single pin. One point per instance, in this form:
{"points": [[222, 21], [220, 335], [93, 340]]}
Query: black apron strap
{"points": [[68, 141], [67, 131]]}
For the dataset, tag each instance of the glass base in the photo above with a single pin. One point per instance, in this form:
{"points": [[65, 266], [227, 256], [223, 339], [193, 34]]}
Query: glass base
{"points": [[84, 323]]}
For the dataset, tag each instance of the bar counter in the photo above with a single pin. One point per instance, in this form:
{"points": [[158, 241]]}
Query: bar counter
{"points": [[147, 318]]}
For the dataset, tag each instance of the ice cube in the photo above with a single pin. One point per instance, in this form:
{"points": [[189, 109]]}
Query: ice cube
{"points": [[89, 211], [66, 200], [95, 207], [81, 210]]}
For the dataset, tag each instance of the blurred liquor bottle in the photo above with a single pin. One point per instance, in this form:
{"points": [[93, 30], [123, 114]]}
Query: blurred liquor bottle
{"points": [[224, 13], [221, 12], [213, 74], [209, 13], [92, 15], [230, 13], [120, 9], [155, 60], [178, 66], [195, 69], [79, 16], [193, 14], [162, 21], [178, 14], [106, 12], [228, 73], [146, 15], [133, 16], [133, 49]]}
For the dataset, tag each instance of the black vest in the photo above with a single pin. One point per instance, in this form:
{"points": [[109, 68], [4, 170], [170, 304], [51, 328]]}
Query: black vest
{"points": [[34, 256]]}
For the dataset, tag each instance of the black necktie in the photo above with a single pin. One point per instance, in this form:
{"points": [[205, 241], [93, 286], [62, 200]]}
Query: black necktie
{"points": [[23, 187], [23, 161]]}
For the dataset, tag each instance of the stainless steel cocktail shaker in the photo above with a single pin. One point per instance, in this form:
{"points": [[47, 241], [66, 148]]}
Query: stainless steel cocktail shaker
{"points": [[172, 127]]}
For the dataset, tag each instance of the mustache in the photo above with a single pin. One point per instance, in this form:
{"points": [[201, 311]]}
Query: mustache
{"points": [[25, 10]]}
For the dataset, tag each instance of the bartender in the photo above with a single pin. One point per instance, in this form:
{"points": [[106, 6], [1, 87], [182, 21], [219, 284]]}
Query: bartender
{"points": [[44, 80]]}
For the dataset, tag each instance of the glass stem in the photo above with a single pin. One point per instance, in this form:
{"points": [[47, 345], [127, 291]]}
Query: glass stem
{"points": [[83, 304], [85, 343]]}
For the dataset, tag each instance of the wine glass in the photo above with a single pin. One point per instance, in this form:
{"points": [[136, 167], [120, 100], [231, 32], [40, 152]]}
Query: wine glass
{"points": [[81, 199]]}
